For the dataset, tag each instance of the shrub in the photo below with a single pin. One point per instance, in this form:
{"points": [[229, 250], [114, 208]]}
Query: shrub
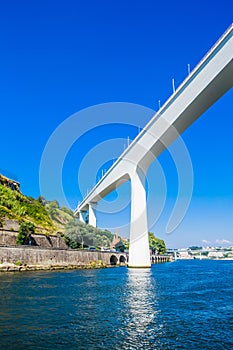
{"points": [[26, 228]]}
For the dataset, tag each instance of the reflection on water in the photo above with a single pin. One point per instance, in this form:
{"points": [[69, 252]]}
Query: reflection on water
{"points": [[141, 324], [141, 311]]}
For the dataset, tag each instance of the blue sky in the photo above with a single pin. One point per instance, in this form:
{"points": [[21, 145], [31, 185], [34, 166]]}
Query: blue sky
{"points": [[59, 57]]}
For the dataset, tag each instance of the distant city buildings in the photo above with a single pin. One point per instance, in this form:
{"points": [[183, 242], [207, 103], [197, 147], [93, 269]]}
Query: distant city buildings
{"points": [[202, 253]]}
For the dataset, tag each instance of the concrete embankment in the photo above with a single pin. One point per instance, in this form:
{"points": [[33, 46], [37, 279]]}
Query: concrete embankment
{"points": [[37, 258], [50, 253]]}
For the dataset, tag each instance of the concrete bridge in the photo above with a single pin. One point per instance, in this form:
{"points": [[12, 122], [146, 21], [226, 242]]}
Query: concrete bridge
{"points": [[208, 81]]}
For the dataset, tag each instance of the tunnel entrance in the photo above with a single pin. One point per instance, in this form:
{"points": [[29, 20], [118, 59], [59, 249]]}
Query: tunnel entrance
{"points": [[113, 260], [122, 259]]}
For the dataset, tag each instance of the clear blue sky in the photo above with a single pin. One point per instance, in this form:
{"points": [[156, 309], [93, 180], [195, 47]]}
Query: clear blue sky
{"points": [[58, 57]]}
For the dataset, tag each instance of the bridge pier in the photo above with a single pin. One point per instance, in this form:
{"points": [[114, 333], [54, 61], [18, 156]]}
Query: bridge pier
{"points": [[92, 214], [139, 254], [209, 80], [81, 216]]}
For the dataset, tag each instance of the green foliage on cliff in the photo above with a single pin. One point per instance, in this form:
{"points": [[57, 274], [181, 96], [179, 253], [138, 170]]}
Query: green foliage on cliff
{"points": [[47, 217], [80, 235], [60, 216], [156, 244], [14, 205], [26, 228]]}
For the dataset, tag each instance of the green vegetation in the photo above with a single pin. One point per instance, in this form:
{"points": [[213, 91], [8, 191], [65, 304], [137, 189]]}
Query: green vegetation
{"points": [[156, 244], [14, 205], [60, 216], [26, 228], [80, 235], [14, 185], [47, 217], [195, 248], [205, 253], [120, 246], [126, 245]]}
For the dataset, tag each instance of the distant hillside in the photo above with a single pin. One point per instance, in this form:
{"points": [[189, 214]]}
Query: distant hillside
{"points": [[48, 217], [76, 233]]}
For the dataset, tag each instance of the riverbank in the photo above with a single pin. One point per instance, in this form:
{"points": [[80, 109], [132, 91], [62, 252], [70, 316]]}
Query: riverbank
{"points": [[10, 267], [27, 258], [34, 258]]}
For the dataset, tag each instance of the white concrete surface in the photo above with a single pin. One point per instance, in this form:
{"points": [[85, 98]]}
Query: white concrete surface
{"points": [[209, 80]]}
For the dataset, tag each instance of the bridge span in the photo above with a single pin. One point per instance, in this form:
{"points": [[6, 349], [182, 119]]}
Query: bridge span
{"points": [[208, 81]]}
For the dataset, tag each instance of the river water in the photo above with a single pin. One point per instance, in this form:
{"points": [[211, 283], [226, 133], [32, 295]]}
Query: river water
{"points": [[180, 305]]}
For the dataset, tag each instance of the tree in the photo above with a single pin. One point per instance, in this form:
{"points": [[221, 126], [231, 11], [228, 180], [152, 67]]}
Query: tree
{"points": [[126, 244], [120, 247], [195, 248], [67, 210], [26, 228], [52, 208], [41, 200], [78, 235], [156, 244]]}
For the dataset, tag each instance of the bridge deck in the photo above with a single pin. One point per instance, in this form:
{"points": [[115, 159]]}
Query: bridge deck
{"points": [[208, 81]]}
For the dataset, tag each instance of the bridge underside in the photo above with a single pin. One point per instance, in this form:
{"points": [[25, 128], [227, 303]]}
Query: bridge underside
{"points": [[206, 84]]}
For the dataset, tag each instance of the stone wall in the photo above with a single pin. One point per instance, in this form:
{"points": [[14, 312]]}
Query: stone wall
{"points": [[46, 252], [36, 256], [8, 238]]}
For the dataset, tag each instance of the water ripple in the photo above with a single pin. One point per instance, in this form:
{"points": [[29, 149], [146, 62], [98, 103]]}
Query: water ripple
{"points": [[184, 305]]}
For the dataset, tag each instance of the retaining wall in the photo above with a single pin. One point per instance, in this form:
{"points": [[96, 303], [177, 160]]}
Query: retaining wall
{"points": [[8, 238], [56, 257]]}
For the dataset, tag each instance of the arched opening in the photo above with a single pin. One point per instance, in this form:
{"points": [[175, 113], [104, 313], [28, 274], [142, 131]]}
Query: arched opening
{"points": [[122, 259], [113, 260]]}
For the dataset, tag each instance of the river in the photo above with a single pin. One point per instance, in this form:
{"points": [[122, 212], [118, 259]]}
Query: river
{"points": [[180, 305]]}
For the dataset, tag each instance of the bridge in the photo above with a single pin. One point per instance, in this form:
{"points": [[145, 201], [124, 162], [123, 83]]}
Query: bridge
{"points": [[208, 81]]}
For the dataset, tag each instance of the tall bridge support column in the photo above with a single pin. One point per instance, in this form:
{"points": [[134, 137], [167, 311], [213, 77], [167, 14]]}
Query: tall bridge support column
{"points": [[139, 253], [81, 216], [92, 214]]}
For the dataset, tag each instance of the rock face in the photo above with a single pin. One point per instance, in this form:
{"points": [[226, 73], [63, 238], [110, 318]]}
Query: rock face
{"points": [[8, 238], [9, 224], [12, 184]]}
